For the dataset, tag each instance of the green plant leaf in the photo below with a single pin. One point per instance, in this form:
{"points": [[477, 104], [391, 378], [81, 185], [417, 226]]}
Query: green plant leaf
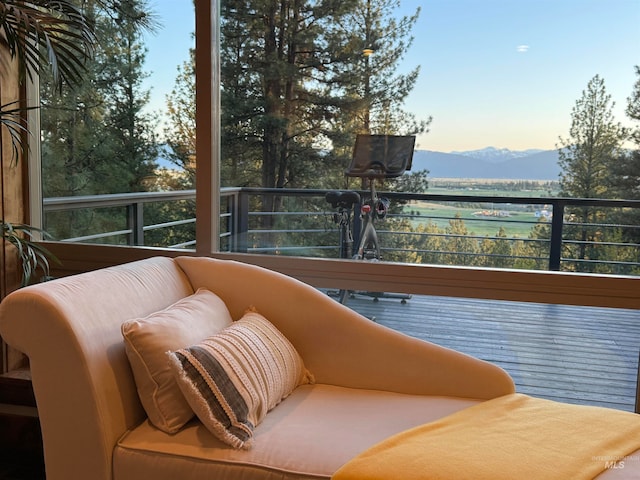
{"points": [[47, 33], [31, 254]]}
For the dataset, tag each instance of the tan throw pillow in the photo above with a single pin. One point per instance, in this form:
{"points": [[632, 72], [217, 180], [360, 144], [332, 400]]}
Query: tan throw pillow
{"points": [[147, 341], [234, 378]]}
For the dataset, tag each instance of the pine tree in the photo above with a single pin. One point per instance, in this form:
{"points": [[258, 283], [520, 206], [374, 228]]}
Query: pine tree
{"points": [[625, 180], [271, 58], [129, 161], [461, 247], [72, 129], [430, 241], [372, 41], [180, 131], [296, 79], [593, 146], [366, 47], [95, 138], [625, 173]]}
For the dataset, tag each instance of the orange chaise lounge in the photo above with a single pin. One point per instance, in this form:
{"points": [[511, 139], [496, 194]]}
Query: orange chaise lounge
{"points": [[195, 368]]}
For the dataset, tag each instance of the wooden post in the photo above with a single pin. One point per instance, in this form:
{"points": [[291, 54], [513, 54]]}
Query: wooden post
{"points": [[13, 198]]}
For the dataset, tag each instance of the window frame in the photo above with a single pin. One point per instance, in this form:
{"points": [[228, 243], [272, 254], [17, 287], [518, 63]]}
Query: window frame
{"points": [[468, 282], [207, 14]]}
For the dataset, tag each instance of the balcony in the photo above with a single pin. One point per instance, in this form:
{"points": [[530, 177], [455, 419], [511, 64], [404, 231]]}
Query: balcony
{"points": [[574, 354]]}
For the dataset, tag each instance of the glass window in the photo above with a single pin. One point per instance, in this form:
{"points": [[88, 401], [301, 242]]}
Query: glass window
{"points": [[502, 173], [501, 110], [118, 151]]}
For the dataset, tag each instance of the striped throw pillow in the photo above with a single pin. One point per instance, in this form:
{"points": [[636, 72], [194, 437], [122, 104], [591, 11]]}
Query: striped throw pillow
{"points": [[232, 379]]}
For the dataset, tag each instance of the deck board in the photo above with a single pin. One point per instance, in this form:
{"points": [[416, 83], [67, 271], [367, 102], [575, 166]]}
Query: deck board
{"points": [[574, 354]]}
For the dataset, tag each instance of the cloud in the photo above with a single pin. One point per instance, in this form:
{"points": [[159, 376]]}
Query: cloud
{"points": [[522, 48]]}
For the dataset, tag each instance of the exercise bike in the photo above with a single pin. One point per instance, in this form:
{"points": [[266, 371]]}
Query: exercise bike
{"points": [[375, 157]]}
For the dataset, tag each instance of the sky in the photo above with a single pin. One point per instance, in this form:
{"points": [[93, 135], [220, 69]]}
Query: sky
{"points": [[499, 73]]}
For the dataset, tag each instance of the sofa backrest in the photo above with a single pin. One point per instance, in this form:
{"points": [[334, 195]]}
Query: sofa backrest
{"points": [[70, 330], [86, 395], [340, 346]]}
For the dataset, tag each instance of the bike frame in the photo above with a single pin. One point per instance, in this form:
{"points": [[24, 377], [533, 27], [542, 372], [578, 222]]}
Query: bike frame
{"points": [[368, 246], [346, 233], [374, 157]]}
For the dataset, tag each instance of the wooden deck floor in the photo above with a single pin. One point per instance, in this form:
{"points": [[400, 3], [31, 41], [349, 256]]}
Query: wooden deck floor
{"points": [[580, 355]]}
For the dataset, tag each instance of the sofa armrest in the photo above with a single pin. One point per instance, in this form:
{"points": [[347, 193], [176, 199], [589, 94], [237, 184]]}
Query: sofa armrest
{"points": [[338, 345], [70, 330]]}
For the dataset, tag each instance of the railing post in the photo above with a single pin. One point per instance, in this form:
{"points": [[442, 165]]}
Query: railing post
{"points": [[557, 222], [135, 223], [241, 222]]}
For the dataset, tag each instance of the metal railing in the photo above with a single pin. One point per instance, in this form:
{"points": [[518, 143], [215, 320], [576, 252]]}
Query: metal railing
{"points": [[132, 206], [426, 228]]}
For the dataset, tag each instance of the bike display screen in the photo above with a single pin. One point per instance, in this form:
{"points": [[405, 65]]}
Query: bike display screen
{"points": [[381, 155]]}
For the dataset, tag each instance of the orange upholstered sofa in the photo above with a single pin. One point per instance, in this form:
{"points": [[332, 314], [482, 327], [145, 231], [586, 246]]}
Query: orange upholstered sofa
{"points": [[367, 382]]}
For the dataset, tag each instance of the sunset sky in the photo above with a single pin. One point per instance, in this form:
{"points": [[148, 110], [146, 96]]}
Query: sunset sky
{"points": [[501, 73]]}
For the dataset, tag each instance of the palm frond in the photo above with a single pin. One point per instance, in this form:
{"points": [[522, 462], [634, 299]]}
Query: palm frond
{"points": [[12, 118], [52, 34], [47, 32], [32, 255]]}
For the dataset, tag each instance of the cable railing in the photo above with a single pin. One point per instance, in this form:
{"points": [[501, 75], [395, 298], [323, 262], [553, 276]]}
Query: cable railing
{"points": [[540, 233]]}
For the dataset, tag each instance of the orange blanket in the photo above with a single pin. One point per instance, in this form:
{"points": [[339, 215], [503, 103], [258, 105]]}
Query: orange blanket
{"points": [[510, 437]]}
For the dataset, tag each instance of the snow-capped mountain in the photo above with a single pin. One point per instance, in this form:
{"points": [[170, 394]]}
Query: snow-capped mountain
{"points": [[494, 155], [489, 163]]}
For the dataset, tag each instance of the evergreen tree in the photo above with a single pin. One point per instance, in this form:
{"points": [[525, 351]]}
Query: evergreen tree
{"points": [[127, 164], [461, 248], [593, 145], [180, 132], [538, 245], [625, 183], [372, 42], [633, 107], [95, 138], [367, 45], [431, 242], [72, 129], [499, 250], [272, 53], [410, 182], [524, 257], [585, 158], [625, 173], [296, 83], [241, 100]]}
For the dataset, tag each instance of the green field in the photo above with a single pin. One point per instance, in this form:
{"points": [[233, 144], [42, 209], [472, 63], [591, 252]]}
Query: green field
{"points": [[517, 220], [484, 219], [494, 187], [489, 192], [516, 224]]}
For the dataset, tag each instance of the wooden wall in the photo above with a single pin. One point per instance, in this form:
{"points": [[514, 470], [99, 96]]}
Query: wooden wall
{"points": [[496, 284], [13, 194]]}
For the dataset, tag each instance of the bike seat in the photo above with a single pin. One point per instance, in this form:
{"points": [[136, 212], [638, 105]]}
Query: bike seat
{"points": [[342, 198]]}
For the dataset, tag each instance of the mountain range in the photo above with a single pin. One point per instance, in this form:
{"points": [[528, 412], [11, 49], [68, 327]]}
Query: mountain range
{"points": [[489, 162]]}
